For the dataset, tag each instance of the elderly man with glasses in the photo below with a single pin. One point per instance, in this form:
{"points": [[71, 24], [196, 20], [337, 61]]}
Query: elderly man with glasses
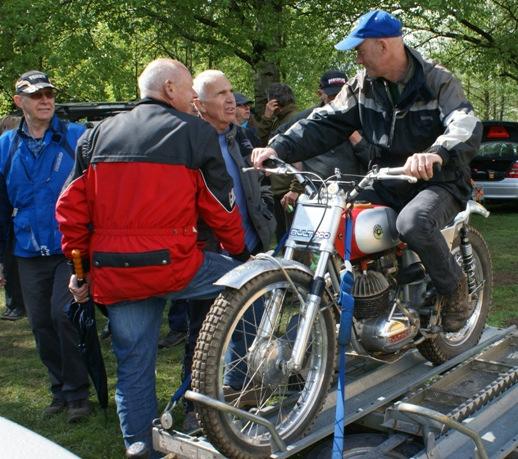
{"points": [[35, 160]]}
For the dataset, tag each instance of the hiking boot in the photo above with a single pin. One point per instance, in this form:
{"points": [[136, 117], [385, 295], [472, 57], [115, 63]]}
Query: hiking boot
{"points": [[77, 410], [190, 422], [456, 307], [57, 405], [243, 399], [172, 339]]}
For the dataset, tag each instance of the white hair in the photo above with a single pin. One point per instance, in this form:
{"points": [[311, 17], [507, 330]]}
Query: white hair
{"points": [[156, 73], [203, 79]]}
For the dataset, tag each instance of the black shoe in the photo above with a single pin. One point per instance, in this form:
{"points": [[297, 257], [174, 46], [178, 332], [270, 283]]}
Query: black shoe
{"points": [[78, 410], [13, 314], [56, 406], [172, 339], [456, 307], [105, 332], [190, 422]]}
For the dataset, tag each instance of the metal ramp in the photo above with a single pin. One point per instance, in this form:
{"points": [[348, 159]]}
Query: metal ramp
{"points": [[372, 389]]}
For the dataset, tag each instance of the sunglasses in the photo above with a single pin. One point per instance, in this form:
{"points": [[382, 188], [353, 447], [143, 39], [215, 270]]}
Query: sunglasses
{"points": [[48, 94]]}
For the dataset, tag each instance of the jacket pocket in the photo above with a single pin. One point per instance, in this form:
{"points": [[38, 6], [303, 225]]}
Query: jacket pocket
{"points": [[131, 260], [23, 234]]}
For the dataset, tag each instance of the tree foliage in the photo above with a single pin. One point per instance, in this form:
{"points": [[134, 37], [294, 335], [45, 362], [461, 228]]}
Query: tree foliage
{"points": [[95, 49]]}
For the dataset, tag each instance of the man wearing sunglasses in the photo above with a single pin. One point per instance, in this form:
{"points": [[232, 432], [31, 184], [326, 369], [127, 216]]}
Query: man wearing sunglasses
{"points": [[35, 160]]}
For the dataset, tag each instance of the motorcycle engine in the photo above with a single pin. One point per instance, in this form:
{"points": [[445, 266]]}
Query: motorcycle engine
{"points": [[371, 309]]}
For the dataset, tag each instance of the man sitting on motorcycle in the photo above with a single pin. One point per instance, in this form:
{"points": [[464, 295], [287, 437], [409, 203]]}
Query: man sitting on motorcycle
{"points": [[416, 112]]}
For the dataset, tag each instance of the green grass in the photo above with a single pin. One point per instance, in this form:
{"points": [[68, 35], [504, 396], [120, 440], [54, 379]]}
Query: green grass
{"points": [[24, 393], [24, 383]]}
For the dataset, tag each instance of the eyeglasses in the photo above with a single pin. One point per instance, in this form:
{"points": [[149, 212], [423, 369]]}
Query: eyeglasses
{"points": [[48, 94]]}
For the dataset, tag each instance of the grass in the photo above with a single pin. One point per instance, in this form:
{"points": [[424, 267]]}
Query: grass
{"points": [[24, 383]]}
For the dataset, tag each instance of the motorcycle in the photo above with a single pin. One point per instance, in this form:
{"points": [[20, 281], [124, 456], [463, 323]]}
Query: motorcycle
{"points": [[275, 323]]}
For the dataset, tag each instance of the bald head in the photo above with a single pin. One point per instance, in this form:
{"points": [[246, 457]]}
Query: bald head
{"points": [[170, 81]]}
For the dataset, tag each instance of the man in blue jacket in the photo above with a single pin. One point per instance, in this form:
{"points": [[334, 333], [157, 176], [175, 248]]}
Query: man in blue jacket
{"points": [[35, 160]]}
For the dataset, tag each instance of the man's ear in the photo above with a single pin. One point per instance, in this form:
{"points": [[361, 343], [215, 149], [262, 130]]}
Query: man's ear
{"points": [[17, 99], [199, 105]]}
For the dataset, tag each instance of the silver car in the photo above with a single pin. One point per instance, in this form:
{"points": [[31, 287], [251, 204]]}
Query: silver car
{"points": [[495, 167]]}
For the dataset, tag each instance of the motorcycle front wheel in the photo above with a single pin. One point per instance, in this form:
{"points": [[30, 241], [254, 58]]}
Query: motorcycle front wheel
{"points": [[232, 364]]}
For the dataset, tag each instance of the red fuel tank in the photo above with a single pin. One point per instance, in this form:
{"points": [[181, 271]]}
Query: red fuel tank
{"points": [[374, 230]]}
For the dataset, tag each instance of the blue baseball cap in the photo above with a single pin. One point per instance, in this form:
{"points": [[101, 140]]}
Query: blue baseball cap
{"points": [[374, 24]]}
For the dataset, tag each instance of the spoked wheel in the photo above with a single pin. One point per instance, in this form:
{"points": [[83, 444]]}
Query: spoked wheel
{"points": [[448, 345], [235, 365]]}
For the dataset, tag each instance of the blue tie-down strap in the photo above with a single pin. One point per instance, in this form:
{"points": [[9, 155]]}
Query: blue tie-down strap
{"points": [[280, 244], [344, 336], [181, 390]]}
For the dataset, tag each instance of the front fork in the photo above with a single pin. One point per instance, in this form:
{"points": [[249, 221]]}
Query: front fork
{"points": [[308, 315]]}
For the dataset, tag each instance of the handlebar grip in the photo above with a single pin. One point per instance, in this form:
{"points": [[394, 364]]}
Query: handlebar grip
{"points": [[395, 171], [78, 266]]}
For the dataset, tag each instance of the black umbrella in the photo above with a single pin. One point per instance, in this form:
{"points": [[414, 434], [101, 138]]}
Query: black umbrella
{"points": [[82, 315]]}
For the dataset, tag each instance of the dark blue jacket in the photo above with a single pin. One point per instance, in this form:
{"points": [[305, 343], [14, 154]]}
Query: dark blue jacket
{"points": [[30, 186]]}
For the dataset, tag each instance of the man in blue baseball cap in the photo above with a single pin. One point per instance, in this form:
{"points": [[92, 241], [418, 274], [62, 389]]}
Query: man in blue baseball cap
{"points": [[415, 114]]}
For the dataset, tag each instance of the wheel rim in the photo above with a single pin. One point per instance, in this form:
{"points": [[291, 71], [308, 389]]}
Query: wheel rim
{"points": [[285, 400], [460, 337]]}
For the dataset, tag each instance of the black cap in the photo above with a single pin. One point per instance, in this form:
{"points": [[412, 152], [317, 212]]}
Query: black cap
{"points": [[332, 81], [32, 81], [241, 99]]}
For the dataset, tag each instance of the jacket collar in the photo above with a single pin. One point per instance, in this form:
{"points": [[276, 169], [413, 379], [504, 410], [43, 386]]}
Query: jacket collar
{"points": [[416, 86]]}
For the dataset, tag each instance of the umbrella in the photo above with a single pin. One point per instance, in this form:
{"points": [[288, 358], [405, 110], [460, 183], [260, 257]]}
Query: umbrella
{"points": [[82, 315]]}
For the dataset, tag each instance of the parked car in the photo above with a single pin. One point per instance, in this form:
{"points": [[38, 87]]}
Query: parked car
{"points": [[495, 167]]}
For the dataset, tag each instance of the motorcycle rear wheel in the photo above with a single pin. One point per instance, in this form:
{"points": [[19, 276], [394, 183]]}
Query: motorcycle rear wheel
{"points": [[445, 346], [291, 401]]}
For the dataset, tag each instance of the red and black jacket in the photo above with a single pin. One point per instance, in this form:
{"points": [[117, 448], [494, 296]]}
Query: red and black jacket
{"points": [[134, 209]]}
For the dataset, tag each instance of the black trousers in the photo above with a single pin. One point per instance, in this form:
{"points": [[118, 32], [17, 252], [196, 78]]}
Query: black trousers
{"points": [[44, 282], [12, 289]]}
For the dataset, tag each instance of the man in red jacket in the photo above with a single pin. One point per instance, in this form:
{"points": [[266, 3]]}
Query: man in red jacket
{"points": [[133, 214]]}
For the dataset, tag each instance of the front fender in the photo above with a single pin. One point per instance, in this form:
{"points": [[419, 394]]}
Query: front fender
{"points": [[251, 269]]}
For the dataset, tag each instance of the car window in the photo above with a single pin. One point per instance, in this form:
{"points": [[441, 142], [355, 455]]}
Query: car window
{"points": [[498, 150]]}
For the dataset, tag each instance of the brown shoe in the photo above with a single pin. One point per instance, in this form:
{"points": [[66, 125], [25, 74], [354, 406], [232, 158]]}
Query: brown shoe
{"points": [[456, 307], [78, 410], [57, 405]]}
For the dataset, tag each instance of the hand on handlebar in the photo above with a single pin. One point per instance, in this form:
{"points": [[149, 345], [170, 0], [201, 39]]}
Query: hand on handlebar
{"points": [[421, 165], [259, 155]]}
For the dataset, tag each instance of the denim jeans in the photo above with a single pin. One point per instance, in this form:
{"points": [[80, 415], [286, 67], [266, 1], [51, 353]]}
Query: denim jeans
{"points": [[135, 329]]}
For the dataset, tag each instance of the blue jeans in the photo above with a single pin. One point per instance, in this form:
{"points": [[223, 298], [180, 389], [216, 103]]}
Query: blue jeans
{"points": [[135, 327]]}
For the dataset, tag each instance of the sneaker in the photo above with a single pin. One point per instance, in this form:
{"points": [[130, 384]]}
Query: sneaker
{"points": [[190, 422], [57, 405], [172, 339], [78, 409], [456, 307], [236, 397]]}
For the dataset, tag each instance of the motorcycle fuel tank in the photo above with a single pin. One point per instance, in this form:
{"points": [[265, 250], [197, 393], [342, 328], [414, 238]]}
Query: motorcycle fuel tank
{"points": [[374, 230]]}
